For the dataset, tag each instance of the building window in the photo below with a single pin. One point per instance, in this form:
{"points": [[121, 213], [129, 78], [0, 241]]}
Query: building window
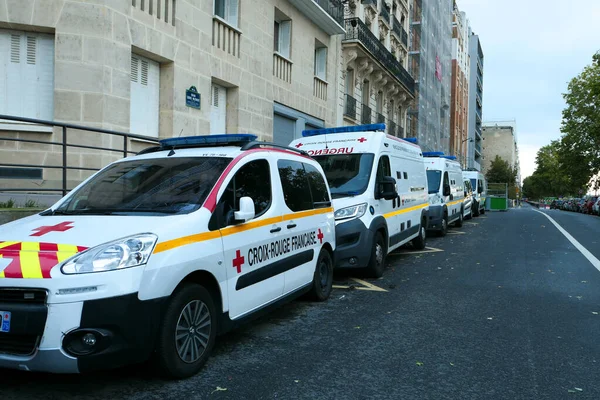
{"points": [[27, 80], [144, 106], [218, 109], [228, 10], [282, 34], [320, 61], [349, 85]]}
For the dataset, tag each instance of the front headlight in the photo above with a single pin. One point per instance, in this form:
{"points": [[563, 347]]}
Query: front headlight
{"points": [[356, 211], [123, 253], [437, 199]]}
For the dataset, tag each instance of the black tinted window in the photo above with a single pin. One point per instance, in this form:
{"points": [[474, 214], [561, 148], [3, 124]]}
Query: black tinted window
{"points": [[296, 189], [347, 174], [252, 180], [318, 187], [383, 168], [162, 185]]}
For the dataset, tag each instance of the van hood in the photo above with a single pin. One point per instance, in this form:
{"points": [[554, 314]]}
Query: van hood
{"points": [[32, 246]]}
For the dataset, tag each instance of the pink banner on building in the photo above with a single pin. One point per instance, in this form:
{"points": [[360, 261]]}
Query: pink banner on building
{"points": [[438, 68]]}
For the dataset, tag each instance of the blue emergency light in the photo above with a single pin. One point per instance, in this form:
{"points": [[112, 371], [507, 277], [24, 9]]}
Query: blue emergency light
{"points": [[236, 139], [411, 140], [344, 129], [433, 154], [449, 157]]}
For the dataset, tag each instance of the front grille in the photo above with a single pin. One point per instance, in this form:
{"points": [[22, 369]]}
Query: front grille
{"points": [[22, 345], [23, 296]]}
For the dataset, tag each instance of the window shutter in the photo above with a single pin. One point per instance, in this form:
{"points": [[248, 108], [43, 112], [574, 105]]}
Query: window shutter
{"points": [[145, 92], [15, 48], [31, 49], [232, 12], [285, 32], [43, 92], [218, 110]]}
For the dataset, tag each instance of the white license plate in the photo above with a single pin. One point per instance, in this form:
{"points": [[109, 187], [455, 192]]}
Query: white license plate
{"points": [[5, 321]]}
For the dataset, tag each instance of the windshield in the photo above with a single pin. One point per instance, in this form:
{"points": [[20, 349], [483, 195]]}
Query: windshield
{"points": [[434, 177], [347, 174], [151, 186], [474, 183]]}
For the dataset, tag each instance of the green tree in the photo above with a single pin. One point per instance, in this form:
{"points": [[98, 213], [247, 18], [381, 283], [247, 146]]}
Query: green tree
{"points": [[580, 145], [501, 172]]}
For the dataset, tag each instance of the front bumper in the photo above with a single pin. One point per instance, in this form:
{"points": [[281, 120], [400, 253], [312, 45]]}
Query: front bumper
{"points": [[436, 215], [126, 328], [354, 242]]}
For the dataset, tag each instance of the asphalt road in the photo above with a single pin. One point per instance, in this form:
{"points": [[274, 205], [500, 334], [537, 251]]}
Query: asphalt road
{"points": [[503, 308]]}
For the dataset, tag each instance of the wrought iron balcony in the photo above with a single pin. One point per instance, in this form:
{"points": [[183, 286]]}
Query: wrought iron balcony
{"points": [[400, 130], [365, 115], [380, 118], [399, 31], [357, 31], [350, 107]]}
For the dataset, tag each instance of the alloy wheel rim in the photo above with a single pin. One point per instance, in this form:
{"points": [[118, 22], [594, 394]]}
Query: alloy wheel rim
{"points": [[379, 253], [192, 332]]}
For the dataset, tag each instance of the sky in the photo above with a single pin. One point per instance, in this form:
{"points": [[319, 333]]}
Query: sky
{"points": [[532, 49]]}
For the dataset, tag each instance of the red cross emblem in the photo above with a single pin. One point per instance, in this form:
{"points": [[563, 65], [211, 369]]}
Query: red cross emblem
{"points": [[299, 145], [320, 236], [42, 230], [238, 261], [362, 139]]}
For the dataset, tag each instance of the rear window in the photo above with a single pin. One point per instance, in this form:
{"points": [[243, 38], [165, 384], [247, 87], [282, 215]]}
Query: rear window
{"points": [[303, 186]]}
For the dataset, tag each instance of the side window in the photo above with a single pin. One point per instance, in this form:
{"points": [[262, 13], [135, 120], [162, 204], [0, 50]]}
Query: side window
{"points": [[294, 181], [383, 168], [446, 179], [406, 175], [252, 180], [318, 187]]}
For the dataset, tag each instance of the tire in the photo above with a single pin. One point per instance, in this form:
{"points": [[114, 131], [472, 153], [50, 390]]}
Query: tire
{"points": [[323, 277], [444, 229], [470, 216], [420, 241], [459, 223], [378, 254], [475, 207], [201, 310], [482, 210]]}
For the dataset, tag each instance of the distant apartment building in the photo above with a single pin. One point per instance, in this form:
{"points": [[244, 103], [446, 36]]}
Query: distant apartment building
{"points": [[375, 86], [430, 64], [268, 67], [474, 148], [501, 140], [459, 106]]}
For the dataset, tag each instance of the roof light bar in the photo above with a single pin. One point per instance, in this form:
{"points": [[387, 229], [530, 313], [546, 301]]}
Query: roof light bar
{"points": [[236, 139], [411, 140], [344, 129], [449, 157], [433, 153]]}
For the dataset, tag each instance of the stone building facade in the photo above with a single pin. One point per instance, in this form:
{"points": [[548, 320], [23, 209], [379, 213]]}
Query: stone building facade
{"points": [[501, 140], [269, 67]]}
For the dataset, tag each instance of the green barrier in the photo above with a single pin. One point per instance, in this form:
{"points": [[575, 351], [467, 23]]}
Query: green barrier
{"points": [[498, 204]]}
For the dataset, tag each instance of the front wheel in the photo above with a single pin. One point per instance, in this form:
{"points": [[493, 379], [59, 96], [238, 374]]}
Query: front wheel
{"points": [[444, 228], [459, 223], [323, 277], [475, 209], [377, 260], [188, 332], [483, 210], [419, 242]]}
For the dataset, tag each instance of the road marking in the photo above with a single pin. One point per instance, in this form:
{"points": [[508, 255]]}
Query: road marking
{"points": [[471, 223], [455, 233], [366, 286], [586, 253], [427, 250]]}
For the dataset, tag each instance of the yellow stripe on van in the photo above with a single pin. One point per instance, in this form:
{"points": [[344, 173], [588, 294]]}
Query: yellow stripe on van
{"points": [[30, 260], [231, 230], [398, 212]]}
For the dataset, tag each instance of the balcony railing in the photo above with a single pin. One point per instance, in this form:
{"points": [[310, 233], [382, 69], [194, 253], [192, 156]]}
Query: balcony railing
{"points": [[334, 8], [380, 118], [320, 88], [282, 68], [350, 107], [226, 37], [365, 115], [478, 148], [392, 128], [385, 14], [399, 31], [356, 30], [400, 130], [163, 10]]}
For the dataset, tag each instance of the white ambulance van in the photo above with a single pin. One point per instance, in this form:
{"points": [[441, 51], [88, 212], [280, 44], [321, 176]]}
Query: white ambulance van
{"points": [[156, 254], [479, 185], [379, 189], [446, 191]]}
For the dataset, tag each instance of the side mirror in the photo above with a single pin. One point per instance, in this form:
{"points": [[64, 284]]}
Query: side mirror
{"points": [[386, 188], [479, 189], [446, 190], [246, 212], [465, 193]]}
